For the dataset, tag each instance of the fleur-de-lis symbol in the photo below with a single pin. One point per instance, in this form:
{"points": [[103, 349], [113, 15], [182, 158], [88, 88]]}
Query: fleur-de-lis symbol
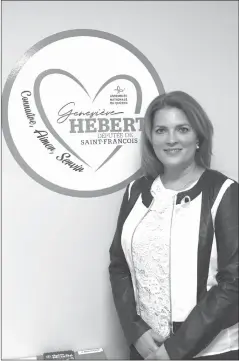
{"points": [[119, 90]]}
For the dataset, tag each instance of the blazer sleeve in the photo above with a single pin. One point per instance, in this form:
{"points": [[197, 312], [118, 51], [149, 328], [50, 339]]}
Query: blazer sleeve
{"points": [[219, 307], [132, 324]]}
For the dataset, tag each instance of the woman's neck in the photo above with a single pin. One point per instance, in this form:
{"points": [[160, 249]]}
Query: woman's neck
{"points": [[172, 174]]}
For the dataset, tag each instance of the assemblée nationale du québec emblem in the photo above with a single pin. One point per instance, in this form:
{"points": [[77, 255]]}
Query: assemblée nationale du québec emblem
{"points": [[73, 110]]}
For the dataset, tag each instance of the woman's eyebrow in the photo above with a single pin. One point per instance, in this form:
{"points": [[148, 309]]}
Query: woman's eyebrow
{"points": [[177, 125], [184, 124]]}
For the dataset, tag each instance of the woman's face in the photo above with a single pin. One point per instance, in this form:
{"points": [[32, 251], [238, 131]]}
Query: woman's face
{"points": [[173, 138]]}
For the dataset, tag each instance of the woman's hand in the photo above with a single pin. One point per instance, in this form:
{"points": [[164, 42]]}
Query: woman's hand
{"points": [[159, 354], [148, 343]]}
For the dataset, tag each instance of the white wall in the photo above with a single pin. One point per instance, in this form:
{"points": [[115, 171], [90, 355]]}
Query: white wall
{"points": [[53, 242]]}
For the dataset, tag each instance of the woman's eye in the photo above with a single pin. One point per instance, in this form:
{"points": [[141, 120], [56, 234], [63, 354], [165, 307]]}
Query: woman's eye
{"points": [[160, 130], [184, 129]]}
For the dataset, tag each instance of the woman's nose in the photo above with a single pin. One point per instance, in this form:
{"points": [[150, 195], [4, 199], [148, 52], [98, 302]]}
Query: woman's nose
{"points": [[171, 138]]}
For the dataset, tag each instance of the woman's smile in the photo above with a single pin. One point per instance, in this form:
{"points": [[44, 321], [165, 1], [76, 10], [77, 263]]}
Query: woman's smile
{"points": [[173, 151]]}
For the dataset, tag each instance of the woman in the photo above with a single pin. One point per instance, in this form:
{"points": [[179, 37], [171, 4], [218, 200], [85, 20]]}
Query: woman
{"points": [[174, 256]]}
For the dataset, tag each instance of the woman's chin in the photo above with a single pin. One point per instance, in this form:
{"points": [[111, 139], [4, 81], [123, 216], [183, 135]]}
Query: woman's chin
{"points": [[172, 163]]}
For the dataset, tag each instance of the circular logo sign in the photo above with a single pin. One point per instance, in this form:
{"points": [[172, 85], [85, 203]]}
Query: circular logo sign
{"points": [[73, 110]]}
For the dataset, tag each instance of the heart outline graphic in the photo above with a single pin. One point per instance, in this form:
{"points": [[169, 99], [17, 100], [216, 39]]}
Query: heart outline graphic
{"points": [[6, 104], [40, 108]]}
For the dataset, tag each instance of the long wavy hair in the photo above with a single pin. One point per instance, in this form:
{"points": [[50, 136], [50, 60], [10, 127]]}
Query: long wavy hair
{"points": [[198, 119]]}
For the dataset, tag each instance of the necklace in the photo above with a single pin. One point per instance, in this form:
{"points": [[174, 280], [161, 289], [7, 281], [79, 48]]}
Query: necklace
{"points": [[182, 187], [185, 185]]}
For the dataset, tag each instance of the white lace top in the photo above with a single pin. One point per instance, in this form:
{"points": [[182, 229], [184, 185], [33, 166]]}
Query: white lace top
{"points": [[151, 259]]}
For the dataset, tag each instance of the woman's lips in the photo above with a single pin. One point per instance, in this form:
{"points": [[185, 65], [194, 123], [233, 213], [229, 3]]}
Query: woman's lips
{"points": [[172, 151]]}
